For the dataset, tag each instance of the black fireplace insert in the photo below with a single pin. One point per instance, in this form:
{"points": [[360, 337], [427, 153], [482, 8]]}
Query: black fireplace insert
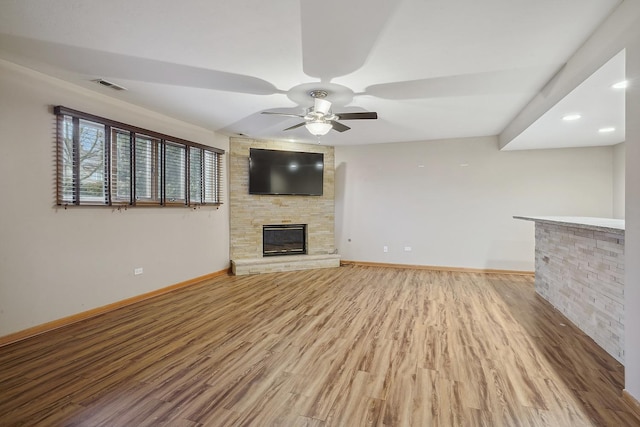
{"points": [[284, 239]]}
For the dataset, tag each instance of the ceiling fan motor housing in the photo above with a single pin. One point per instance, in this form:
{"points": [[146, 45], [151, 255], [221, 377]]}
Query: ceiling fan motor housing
{"points": [[318, 93], [319, 119]]}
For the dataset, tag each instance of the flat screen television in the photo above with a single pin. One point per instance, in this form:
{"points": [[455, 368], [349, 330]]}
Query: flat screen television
{"points": [[285, 172]]}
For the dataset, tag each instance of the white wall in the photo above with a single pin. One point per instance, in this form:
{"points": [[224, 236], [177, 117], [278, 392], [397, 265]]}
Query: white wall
{"points": [[461, 216], [632, 221], [618, 180], [56, 262]]}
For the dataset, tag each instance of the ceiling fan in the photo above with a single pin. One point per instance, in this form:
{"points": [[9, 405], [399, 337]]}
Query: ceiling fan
{"points": [[319, 119]]}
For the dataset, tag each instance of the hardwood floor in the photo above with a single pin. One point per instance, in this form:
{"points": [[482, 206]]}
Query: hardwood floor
{"points": [[349, 346]]}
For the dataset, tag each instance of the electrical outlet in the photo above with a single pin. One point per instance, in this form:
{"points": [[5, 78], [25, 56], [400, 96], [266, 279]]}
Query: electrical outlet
{"points": [[138, 271], [407, 248], [385, 248]]}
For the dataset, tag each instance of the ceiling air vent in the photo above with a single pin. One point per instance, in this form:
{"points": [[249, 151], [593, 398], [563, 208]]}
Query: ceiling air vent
{"points": [[109, 84]]}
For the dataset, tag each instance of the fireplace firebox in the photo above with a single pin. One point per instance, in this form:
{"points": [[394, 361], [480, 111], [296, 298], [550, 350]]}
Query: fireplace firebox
{"points": [[284, 239]]}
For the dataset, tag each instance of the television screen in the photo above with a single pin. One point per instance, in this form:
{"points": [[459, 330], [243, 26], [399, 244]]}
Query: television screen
{"points": [[285, 172]]}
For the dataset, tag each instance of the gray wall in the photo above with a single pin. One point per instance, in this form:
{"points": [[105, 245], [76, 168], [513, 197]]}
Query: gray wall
{"points": [[456, 210], [54, 262], [618, 180]]}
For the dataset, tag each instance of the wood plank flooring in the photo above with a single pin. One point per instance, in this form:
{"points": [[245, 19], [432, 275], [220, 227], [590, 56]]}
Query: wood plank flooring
{"points": [[349, 346]]}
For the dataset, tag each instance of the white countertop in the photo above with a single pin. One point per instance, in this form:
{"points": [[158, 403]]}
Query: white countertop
{"points": [[604, 224]]}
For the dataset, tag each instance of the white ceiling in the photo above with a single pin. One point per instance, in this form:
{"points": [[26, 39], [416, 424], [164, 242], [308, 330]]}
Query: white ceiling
{"points": [[431, 69], [599, 106]]}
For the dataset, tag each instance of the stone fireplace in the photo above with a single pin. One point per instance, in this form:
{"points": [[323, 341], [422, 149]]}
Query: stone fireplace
{"points": [[248, 213]]}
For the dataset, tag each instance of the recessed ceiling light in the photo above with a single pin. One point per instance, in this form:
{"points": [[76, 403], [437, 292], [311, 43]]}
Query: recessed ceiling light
{"points": [[621, 85], [606, 130], [570, 117]]}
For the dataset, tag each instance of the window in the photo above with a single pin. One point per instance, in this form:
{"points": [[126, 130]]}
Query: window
{"points": [[204, 169], [195, 174], [92, 162], [175, 173], [147, 169], [102, 162], [83, 170], [121, 164]]}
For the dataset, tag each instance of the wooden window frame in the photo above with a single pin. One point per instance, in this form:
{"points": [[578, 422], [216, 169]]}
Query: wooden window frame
{"points": [[159, 160]]}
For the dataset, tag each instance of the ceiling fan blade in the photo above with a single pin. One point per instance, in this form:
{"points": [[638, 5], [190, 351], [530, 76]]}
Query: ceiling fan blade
{"points": [[474, 84], [103, 64], [336, 40], [339, 126], [275, 113], [358, 116], [295, 126]]}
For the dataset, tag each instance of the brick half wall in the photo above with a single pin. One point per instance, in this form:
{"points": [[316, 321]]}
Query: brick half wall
{"points": [[581, 273]]}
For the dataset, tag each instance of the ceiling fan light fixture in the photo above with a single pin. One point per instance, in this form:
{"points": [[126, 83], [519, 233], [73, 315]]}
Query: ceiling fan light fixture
{"points": [[318, 128], [321, 106]]}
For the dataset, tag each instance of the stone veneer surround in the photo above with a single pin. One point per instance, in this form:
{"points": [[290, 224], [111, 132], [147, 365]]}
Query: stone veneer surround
{"points": [[580, 271], [248, 213]]}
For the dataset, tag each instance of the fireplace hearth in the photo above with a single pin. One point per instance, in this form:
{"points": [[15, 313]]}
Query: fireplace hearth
{"points": [[284, 239]]}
